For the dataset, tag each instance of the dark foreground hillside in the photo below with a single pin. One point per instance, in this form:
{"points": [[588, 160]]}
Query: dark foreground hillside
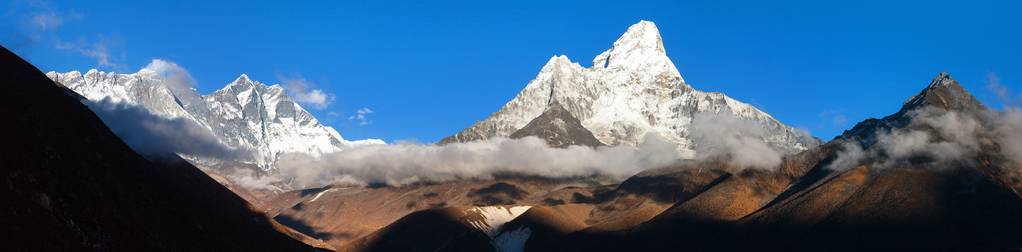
{"points": [[69, 184]]}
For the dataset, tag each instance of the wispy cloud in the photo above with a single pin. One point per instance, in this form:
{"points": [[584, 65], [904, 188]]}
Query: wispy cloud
{"points": [[305, 92], [154, 135], [41, 16], [361, 116], [937, 139], [48, 19], [41, 20], [1002, 92], [836, 118], [98, 50]]}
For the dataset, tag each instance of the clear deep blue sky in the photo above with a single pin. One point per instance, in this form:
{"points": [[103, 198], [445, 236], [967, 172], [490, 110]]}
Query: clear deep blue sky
{"points": [[429, 69]]}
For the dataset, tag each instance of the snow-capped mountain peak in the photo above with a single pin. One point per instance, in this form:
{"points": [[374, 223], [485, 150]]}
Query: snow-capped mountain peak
{"points": [[639, 48], [631, 90], [242, 79], [557, 61]]}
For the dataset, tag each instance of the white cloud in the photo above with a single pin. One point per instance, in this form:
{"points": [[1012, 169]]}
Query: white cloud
{"points": [[1002, 92], [406, 163], [740, 141], [836, 118], [1009, 134], [304, 92], [361, 116], [729, 139], [41, 20], [42, 16], [249, 178], [153, 135], [939, 139], [174, 76], [46, 20]]}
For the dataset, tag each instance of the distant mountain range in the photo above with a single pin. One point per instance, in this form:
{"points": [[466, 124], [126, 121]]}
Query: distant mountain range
{"points": [[632, 90], [244, 114]]}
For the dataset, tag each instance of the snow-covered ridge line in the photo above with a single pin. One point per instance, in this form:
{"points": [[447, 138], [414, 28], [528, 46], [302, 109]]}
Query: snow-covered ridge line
{"points": [[244, 114]]}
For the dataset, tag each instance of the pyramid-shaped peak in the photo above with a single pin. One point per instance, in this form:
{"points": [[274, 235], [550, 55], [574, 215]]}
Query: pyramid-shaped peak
{"points": [[559, 128], [640, 48], [643, 27], [644, 34], [943, 79], [240, 84], [944, 92], [243, 78]]}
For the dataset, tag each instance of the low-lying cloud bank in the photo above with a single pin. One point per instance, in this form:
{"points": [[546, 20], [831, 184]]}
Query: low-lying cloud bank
{"points": [[736, 140], [152, 135], [939, 139], [721, 137], [402, 164]]}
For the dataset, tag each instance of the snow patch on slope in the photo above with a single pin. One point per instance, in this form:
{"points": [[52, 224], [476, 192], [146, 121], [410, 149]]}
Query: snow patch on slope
{"points": [[490, 219], [494, 217], [314, 198]]}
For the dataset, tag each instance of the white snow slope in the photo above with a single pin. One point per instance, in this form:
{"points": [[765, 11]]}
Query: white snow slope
{"points": [[493, 217], [631, 89], [490, 220]]}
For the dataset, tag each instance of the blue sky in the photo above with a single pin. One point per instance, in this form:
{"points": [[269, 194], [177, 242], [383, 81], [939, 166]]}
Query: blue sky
{"points": [[428, 70]]}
